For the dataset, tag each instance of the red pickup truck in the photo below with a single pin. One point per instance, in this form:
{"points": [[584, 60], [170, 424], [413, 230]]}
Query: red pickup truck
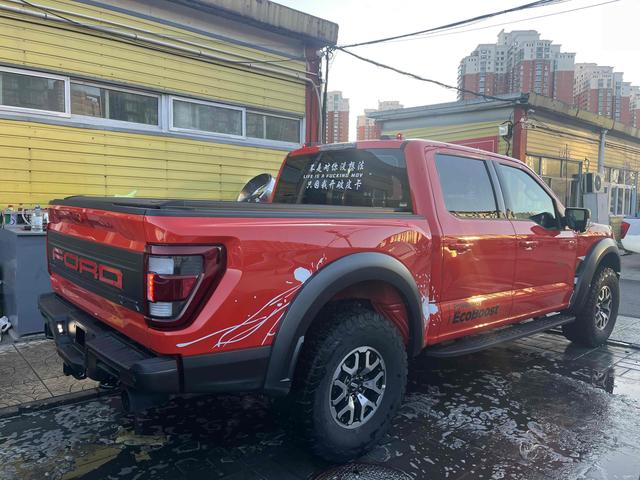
{"points": [[367, 255]]}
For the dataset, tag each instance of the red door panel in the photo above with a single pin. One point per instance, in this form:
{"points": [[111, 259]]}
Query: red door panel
{"points": [[546, 253], [479, 249]]}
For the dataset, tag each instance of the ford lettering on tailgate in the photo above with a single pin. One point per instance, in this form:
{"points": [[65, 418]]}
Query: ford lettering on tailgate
{"points": [[113, 273]]}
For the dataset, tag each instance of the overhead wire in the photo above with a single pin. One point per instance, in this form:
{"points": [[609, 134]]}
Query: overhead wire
{"points": [[424, 79], [456, 32], [526, 6]]}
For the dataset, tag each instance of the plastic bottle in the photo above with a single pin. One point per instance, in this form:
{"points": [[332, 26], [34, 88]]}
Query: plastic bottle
{"points": [[6, 218], [10, 218], [36, 220], [20, 215]]}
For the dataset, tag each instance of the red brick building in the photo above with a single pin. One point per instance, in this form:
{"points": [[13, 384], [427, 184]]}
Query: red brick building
{"points": [[337, 120], [598, 89], [519, 62], [366, 127]]}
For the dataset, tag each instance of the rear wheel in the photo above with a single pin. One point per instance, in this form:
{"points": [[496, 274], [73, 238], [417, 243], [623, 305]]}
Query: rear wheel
{"points": [[349, 383], [597, 317]]}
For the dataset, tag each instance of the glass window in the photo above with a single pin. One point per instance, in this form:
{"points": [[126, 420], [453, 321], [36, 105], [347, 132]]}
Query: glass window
{"points": [[273, 128], [348, 176], [112, 104], [534, 163], [207, 117], [466, 187], [550, 167], [527, 200], [32, 92]]}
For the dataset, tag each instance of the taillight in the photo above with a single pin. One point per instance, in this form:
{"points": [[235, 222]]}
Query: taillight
{"points": [[624, 228], [178, 280]]}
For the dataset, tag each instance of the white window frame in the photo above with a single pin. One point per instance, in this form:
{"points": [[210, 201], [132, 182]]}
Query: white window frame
{"points": [[206, 133], [118, 123], [31, 73], [287, 117]]}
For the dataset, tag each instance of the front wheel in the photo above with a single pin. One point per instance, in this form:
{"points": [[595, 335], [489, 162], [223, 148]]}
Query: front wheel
{"points": [[350, 383], [597, 317]]}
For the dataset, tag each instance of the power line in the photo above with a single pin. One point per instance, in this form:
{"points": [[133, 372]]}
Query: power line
{"points": [[526, 6], [423, 79], [455, 32]]}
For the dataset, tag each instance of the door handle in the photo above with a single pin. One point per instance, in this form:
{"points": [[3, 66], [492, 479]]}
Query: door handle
{"points": [[460, 247], [528, 244]]}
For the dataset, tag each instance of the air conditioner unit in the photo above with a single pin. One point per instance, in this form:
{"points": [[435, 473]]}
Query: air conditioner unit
{"points": [[593, 183]]}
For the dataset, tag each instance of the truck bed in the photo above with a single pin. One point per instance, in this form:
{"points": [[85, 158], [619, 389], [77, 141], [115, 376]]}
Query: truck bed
{"points": [[209, 208]]}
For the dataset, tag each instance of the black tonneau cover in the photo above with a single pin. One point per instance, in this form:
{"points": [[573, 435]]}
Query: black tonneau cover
{"points": [[206, 208]]}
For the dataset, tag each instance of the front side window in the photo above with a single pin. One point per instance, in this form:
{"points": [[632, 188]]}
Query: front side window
{"points": [[112, 104], [466, 187], [348, 177], [207, 117], [527, 200], [21, 90]]}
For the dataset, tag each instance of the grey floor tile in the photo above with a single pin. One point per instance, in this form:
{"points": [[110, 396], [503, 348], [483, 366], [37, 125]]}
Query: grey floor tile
{"points": [[14, 369], [62, 385], [21, 393], [42, 357]]}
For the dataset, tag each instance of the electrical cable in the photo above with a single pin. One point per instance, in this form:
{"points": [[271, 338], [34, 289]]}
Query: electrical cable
{"points": [[446, 33], [428, 80], [526, 6]]}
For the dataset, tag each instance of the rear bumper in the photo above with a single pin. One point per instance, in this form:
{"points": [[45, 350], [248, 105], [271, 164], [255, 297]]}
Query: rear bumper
{"points": [[89, 347]]}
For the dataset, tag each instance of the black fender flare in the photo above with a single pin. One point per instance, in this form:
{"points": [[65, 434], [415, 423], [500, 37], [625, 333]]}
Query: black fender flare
{"points": [[588, 267], [318, 290]]}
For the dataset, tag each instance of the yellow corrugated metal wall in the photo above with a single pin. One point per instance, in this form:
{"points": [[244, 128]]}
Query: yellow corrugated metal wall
{"points": [[39, 162], [78, 52], [582, 145], [453, 133]]}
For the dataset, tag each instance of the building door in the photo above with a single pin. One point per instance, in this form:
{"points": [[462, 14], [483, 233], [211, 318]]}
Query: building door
{"points": [[545, 252], [621, 186], [479, 250]]}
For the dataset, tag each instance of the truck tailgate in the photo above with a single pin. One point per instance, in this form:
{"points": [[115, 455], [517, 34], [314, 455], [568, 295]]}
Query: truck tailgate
{"points": [[96, 255]]}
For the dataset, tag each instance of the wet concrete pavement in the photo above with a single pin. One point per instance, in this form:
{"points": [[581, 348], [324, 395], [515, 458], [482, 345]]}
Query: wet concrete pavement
{"points": [[535, 408]]}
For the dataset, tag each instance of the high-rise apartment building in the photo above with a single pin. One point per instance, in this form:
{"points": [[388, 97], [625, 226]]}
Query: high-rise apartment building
{"points": [[634, 106], [598, 89], [519, 62], [366, 127], [337, 120]]}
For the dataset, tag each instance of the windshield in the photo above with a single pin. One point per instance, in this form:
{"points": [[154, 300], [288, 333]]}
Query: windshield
{"points": [[350, 177]]}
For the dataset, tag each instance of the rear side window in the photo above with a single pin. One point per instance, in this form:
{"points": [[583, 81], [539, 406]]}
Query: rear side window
{"points": [[350, 177], [466, 187]]}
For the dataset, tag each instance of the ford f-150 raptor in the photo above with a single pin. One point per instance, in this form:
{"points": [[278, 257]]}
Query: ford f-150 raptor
{"points": [[366, 255]]}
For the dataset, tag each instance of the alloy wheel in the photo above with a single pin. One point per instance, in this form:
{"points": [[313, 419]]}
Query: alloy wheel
{"points": [[603, 307], [357, 387]]}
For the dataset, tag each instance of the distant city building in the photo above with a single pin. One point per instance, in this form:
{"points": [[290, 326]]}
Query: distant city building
{"points": [[337, 121], [520, 62], [634, 106], [598, 89], [366, 127]]}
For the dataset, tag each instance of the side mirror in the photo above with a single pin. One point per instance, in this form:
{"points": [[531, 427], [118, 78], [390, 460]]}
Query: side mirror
{"points": [[258, 189], [577, 218]]}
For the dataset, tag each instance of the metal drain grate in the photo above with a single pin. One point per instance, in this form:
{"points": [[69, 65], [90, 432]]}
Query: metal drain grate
{"points": [[362, 471]]}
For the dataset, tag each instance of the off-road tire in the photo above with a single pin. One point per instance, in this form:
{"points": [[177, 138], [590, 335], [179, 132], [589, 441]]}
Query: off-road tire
{"points": [[583, 330], [346, 329]]}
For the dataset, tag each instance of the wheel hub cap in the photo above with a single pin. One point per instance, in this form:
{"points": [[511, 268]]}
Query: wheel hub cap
{"points": [[603, 307], [357, 387]]}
